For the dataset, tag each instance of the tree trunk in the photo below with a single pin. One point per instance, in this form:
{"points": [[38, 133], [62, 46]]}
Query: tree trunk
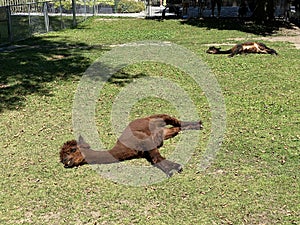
{"points": [[264, 11], [259, 13], [270, 10]]}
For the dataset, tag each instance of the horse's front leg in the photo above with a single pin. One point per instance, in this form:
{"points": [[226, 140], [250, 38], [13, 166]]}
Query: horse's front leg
{"points": [[168, 167]]}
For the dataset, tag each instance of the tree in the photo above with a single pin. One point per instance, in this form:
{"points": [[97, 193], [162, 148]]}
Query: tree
{"points": [[264, 10]]}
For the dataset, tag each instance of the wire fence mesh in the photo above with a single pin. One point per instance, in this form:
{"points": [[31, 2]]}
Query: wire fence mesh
{"points": [[22, 20]]}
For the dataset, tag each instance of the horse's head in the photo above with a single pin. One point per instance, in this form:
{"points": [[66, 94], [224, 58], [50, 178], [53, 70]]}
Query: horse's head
{"points": [[213, 50], [70, 154]]}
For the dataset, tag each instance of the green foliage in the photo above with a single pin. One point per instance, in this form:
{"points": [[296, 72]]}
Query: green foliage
{"points": [[67, 4], [130, 6]]}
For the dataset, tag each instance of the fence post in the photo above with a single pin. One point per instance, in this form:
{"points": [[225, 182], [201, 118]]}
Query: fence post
{"points": [[74, 12], [46, 17], [29, 17], [9, 24], [116, 6], [94, 8], [84, 1], [149, 8], [61, 16]]}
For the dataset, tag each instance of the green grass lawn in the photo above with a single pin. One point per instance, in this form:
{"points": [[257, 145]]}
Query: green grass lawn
{"points": [[253, 180]]}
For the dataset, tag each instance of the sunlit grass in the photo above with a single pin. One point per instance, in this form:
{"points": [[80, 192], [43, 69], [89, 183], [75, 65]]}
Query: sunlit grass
{"points": [[253, 180]]}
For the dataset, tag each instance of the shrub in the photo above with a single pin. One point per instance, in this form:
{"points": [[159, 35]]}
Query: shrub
{"points": [[130, 6], [67, 4]]}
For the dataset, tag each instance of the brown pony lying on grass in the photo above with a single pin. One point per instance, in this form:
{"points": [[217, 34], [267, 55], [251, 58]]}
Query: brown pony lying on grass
{"points": [[141, 139], [244, 48]]}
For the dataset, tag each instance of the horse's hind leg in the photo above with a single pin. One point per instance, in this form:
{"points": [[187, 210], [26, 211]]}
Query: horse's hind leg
{"points": [[191, 125], [171, 132], [264, 49]]}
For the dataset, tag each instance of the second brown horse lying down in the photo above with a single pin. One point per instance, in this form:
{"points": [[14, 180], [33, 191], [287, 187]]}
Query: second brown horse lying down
{"points": [[244, 48], [141, 139]]}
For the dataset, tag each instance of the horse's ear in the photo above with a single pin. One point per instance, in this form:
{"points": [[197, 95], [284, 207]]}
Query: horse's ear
{"points": [[81, 140]]}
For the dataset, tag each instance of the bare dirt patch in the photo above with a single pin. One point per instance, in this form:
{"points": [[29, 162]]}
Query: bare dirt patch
{"points": [[291, 35], [106, 19], [56, 57]]}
